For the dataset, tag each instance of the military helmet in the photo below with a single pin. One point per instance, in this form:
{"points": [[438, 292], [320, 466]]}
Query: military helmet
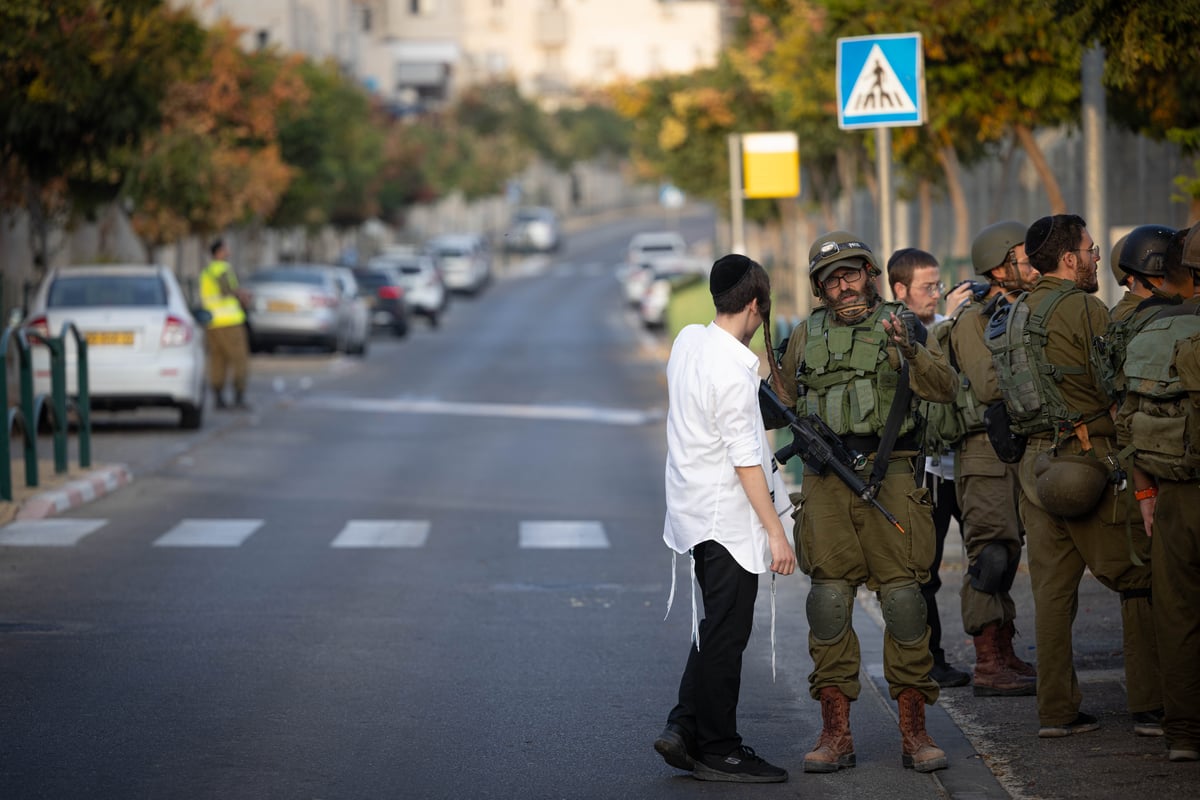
{"points": [[832, 248], [1069, 485], [993, 244], [1114, 261], [1144, 250], [1191, 248]]}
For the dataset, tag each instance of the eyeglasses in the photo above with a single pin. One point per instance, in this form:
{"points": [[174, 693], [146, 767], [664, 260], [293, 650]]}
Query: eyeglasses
{"points": [[833, 248], [1094, 250], [849, 277], [932, 289]]}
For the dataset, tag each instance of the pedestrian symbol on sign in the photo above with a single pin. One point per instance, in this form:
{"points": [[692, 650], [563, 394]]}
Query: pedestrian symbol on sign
{"points": [[878, 89]]}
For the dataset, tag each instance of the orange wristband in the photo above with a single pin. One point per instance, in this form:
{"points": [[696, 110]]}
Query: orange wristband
{"points": [[1147, 493]]}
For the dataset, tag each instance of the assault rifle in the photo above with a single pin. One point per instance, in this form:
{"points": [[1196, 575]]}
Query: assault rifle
{"points": [[821, 449]]}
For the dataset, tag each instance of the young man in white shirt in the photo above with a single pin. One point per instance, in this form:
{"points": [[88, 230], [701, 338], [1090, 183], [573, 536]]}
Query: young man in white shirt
{"points": [[722, 506]]}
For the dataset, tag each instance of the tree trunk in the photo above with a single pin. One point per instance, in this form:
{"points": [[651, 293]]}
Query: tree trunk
{"points": [[1038, 159], [958, 202], [925, 213]]}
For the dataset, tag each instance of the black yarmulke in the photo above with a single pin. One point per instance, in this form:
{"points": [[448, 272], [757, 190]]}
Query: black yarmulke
{"points": [[1037, 235], [728, 272]]}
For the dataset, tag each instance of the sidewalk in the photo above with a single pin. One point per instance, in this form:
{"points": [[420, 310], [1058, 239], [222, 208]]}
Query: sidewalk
{"points": [[56, 493]]}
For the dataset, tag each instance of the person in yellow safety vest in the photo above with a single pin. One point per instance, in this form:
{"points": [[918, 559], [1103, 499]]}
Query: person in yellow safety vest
{"points": [[227, 341]]}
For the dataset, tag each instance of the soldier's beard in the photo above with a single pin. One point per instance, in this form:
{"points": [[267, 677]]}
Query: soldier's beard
{"points": [[852, 306]]}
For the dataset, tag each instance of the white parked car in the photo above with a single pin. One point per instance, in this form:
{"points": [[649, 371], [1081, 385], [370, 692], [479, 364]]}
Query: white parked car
{"points": [[534, 230], [144, 347], [423, 287], [643, 251], [464, 260], [665, 275]]}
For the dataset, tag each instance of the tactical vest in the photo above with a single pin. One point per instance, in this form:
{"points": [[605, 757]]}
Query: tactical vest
{"points": [[1016, 336], [226, 311], [1162, 421], [947, 424], [847, 379], [1109, 354]]}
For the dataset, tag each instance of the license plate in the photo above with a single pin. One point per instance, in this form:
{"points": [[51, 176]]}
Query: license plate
{"points": [[281, 306], [117, 338]]}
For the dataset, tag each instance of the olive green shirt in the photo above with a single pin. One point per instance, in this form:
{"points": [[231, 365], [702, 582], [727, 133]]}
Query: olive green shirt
{"points": [[1071, 328], [929, 372], [972, 355], [1125, 306]]}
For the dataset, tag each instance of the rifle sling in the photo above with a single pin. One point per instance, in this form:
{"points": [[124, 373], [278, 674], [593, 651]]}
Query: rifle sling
{"points": [[891, 428]]}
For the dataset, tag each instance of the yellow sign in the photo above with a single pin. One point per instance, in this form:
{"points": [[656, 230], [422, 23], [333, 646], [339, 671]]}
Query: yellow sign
{"points": [[770, 165]]}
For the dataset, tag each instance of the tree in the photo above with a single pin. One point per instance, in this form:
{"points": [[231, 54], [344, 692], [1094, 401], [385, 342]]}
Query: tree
{"points": [[81, 82], [216, 159], [334, 145], [1152, 71]]}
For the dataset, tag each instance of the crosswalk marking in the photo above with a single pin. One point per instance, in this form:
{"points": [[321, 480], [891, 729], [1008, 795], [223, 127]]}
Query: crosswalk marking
{"points": [[48, 532], [209, 533], [355, 534], [362, 533], [552, 535]]}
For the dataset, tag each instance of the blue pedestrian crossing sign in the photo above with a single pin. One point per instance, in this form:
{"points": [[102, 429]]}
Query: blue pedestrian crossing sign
{"points": [[880, 81]]}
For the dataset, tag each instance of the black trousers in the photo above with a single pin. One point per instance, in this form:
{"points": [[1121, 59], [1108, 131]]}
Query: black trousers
{"points": [[945, 507], [712, 679]]}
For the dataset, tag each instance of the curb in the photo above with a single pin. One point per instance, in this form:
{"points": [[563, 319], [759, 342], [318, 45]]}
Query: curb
{"points": [[99, 482]]}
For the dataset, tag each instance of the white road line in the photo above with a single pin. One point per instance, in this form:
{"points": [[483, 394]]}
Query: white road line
{"points": [[605, 416], [209, 533], [563, 535], [364, 533], [48, 532]]}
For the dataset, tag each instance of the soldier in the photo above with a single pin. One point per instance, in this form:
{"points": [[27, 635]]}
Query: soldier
{"points": [[1129, 300], [915, 278], [859, 363], [1167, 481], [1072, 517], [1141, 264], [988, 488]]}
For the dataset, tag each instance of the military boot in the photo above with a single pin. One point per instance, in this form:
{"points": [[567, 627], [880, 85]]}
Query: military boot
{"points": [[919, 751], [993, 676], [835, 747], [1007, 631]]}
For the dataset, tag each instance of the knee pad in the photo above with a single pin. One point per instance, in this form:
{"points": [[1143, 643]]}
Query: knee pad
{"points": [[994, 569], [904, 611], [828, 609]]}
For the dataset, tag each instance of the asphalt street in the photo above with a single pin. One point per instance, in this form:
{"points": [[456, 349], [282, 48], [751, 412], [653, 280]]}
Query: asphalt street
{"points": [[438, 572]]}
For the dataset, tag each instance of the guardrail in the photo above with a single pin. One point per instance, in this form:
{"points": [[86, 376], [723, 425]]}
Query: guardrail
{"points": [[28, 412]]}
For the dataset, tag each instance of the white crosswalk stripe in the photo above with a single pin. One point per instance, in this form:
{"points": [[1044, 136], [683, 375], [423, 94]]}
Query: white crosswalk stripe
{"points": [[364, 533], [355, 534], [563, 535], [48, 532], [209, 533]]}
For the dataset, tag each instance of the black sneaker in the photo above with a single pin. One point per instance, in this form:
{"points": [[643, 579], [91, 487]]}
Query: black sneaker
{"points": [[947, 676], [741, 766], [1081, 724], [677, 747], [1148, 723]]}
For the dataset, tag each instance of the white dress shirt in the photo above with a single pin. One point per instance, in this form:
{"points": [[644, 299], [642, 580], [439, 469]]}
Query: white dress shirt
{"points": [[714, 425]]}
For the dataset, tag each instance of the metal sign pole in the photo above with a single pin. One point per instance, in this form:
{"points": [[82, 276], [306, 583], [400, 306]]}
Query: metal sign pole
{"points": [[883, 161], [737, 225]]}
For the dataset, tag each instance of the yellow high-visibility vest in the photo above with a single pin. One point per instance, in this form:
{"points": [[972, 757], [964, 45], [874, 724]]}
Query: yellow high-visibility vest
{"points": [[226, 310]]}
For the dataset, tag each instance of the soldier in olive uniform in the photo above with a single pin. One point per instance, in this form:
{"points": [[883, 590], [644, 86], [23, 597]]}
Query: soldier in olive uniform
{"points": [[1074, 519], [1175, 544], [845, 363], [1129, 301], [1143, 276], [988, 490]]}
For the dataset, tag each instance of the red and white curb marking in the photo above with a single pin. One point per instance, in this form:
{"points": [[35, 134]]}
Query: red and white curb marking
{"points": [[100, 482]]}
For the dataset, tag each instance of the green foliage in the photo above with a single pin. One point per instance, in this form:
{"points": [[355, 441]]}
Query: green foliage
{"points": [[82, 81], [336, 146]]}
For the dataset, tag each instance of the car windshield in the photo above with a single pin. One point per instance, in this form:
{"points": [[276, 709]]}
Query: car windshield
{"points": [[657, 247], [81, 291], [411, 269], [310, 277], [374, 279], [451, 252]]}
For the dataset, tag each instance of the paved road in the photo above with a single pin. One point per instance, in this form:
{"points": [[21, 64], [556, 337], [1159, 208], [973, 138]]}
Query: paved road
{"points": [[437, 572]]}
